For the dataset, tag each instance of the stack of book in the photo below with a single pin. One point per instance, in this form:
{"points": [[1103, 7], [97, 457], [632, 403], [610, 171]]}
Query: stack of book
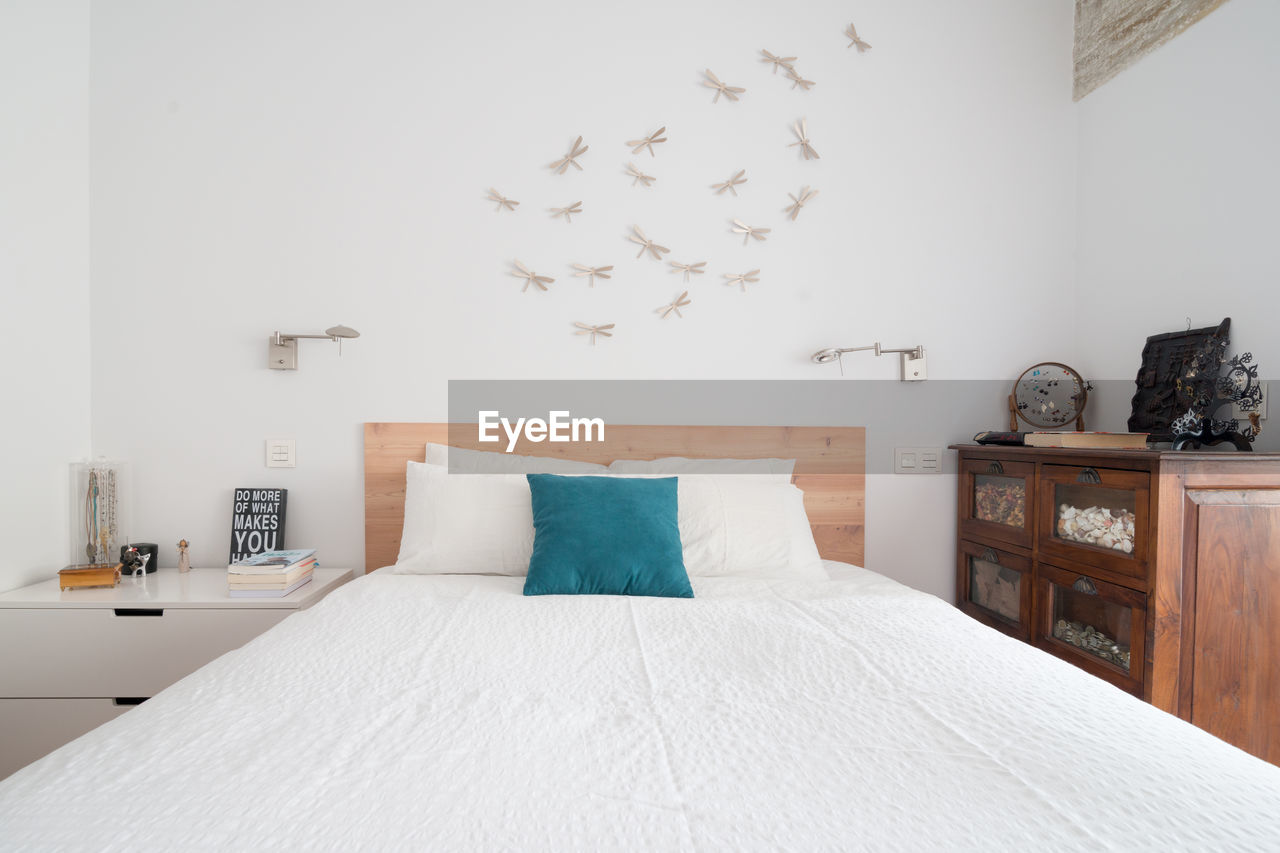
{"points": [[271, 574]]}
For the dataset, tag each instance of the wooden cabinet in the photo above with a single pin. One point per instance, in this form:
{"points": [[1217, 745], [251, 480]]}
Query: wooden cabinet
{"points": [[1157, 571]]}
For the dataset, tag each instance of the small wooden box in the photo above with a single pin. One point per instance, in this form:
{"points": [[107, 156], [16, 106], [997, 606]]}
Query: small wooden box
{"points": [[82, 577]]}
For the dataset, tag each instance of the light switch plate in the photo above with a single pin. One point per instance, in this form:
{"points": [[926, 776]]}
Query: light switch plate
{"points": [[917, 460], [280, 453]]}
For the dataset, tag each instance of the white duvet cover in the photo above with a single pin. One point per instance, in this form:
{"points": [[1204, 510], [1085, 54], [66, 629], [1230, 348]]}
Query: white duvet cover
{"points": [[416, 712]]}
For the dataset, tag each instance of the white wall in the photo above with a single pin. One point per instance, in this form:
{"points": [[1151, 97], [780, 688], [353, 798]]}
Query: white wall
{"points": [[256, 169], [1179, 182], [44, 278]]}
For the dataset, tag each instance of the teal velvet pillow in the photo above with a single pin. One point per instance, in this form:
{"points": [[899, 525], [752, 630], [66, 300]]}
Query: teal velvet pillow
{"points": [[605, 536]]}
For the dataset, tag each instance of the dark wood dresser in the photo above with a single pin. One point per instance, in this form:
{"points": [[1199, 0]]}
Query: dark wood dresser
{"points": [[1158, 571]]}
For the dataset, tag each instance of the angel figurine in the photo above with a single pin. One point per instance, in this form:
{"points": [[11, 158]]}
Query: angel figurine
{"points": [[184, 559]]}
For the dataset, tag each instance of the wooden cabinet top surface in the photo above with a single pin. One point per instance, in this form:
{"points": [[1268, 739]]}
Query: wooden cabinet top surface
{"points": [[1148, 459]]}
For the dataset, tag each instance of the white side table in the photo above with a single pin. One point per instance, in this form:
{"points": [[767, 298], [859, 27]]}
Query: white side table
{"points": [[74, 659]]}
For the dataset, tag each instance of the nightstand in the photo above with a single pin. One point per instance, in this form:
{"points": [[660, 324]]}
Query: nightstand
{"points": [[74, 659]]}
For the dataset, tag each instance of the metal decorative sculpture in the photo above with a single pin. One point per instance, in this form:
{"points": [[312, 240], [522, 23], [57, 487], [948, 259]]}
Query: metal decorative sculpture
{"points": [[688, 269], [743, 278], [592, 273], [1177, 369], [806, 147], [1238, 386], [798, 202], [797, 80], [749, 231], [855, 41], [647, 245], [567, 212], [531, 277]]}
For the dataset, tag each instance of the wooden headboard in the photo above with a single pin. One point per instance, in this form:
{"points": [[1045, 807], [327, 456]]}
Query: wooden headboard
{"points": [[830, 468]]}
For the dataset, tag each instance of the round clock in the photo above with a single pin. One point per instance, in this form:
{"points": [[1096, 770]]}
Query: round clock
{"points": [[1049, 395]]}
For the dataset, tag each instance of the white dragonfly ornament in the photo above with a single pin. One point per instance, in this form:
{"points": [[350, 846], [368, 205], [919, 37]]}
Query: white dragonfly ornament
{"points": [[749, 231], [531, 277], [852, 33], [689, 269], [571, 159], [806, 196], [592, 330], [806, 147], [567, 212], [778, 61], [647, 245], [730, 92], [743, 279], [731, 183], [640, 177], [592, 273], [797, 80], [638, 145], [675, 305], [503, 201]]}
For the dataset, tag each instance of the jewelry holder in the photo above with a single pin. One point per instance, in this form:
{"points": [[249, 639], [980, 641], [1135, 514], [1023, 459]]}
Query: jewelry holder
{"points": [[99, 512]]}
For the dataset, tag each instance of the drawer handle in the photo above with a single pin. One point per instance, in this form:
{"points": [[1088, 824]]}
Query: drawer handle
{"points": [[139, 611], [995, 468], [1089, 476], [991, 556], [1083, 584], [129, 700]]}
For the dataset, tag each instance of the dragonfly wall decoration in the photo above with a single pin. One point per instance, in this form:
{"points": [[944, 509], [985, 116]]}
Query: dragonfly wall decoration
{"points": [[778, 61], [743, 278], [802, 131], [689, 269], [531, 277], [571, 159], [749, 232], [675, 305], [502, 200], [592, 273], [730, 92], [647, 245], [854, 40], [731, 183], [806, 196], [593, 331], [640, 177], [567, 212], [797, 80], [638, 145]]}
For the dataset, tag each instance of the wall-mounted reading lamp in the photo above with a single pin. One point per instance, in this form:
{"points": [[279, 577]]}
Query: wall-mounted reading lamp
{"points": [[282, 350], [913, 363]]}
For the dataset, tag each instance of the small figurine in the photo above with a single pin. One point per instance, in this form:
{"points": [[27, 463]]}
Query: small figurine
{"points": [[133, 561], [184, 561]]}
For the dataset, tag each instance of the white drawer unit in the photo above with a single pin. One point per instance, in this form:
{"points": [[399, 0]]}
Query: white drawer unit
{"points": [[78, 658]]}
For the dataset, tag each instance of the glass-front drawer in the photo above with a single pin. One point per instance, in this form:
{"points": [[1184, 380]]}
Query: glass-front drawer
{"points": [[994, 586], [1098, 626], [1096, 516], [995, 500]]}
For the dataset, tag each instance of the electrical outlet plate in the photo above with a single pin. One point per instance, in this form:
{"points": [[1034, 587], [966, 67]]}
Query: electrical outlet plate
{"points": [[917, 460], [280, 453]]}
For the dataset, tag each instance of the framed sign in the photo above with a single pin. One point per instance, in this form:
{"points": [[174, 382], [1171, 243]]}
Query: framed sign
{"points": [[257, 522]]}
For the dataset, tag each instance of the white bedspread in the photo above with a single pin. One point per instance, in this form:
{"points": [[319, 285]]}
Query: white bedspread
{"points": [[453, 713]]}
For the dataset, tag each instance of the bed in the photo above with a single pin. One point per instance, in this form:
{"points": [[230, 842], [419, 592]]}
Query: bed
{"points": [[453, 712]]}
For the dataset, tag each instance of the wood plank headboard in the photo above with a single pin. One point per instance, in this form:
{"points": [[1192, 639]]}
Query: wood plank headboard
{"points": [[830, 468]]}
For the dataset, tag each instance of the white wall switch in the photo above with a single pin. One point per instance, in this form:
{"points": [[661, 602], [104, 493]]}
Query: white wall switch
{"points": [[280, 453], [917, 460]]}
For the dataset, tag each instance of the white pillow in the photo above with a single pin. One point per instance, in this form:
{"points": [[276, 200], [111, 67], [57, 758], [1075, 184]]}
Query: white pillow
{"points": [[730, 525], [464, 524], [743, 526], [462, 461]]}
